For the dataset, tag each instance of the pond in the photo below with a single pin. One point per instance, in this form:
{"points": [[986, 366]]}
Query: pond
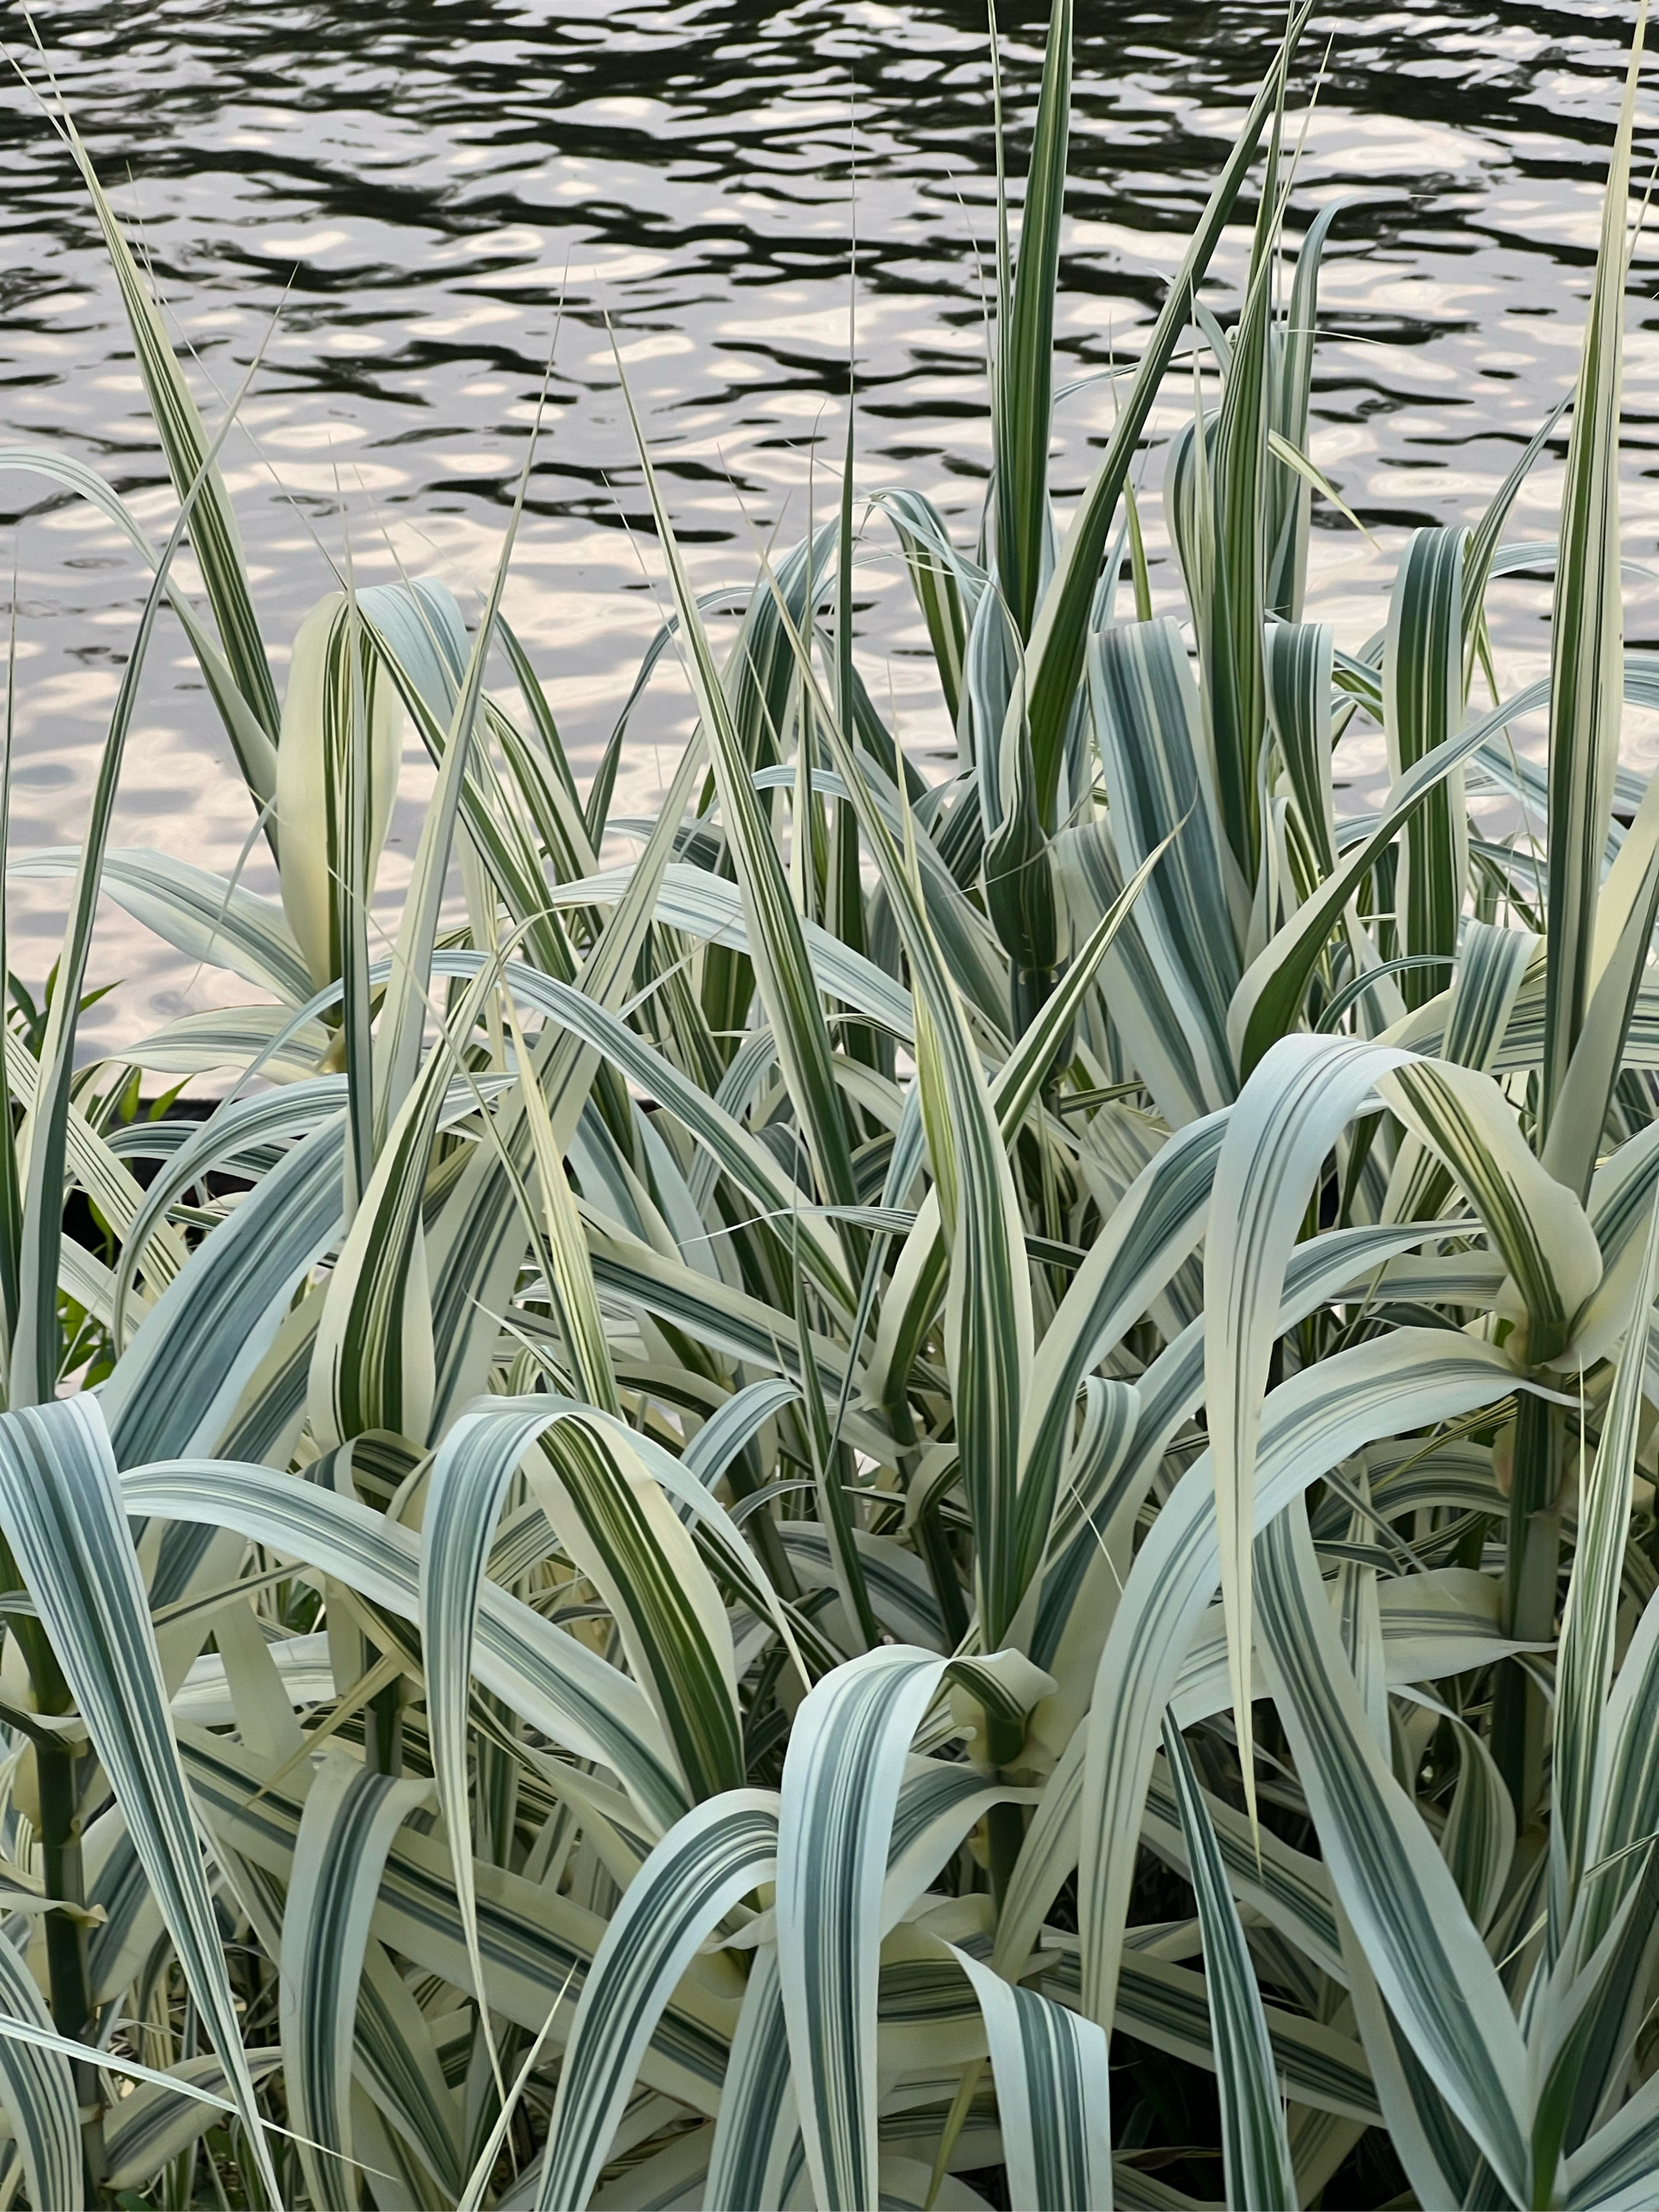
{"points": [[411, 206]]}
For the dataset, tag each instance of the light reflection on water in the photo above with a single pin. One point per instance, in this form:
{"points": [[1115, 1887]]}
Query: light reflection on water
{"points": [[415, 186]]}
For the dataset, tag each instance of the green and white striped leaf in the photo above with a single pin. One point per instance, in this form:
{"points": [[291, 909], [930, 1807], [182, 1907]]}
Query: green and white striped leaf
{"points": [[946, 585], [546, 1676], [37, 2088], [1290, 1891], [1625, 912], [1396, 1889], [241, 1135], [174, 1387], [1255, 2150], [1224, 556], [336, 774], [538, 1945], [1060, 637], [1288, 1115], [1589, 1625], [1313, 1422], [1269, 1001], [375, 1363], [1614, 2171], [351, 1816], [405, 1015], [756, 2134], [1423, 706], [95, 1164], [1053, 2096], [252, 733], [619, 1528], [842, 1779], [1297, 670], [1478, 1841], [628, 1537], [1536, 1223], [989, 1305], [708, 1863], [396, 2059], [1132, 993], [1155, 1226], [738, 1154], [709, 907], [191, 463], [1586, 628], [783, 972], [1491, 967], [1168, 2005], [1289, 514], [920, 1275], [232, 1036], [1149, 723], [1022, 401], [205, 917], [62, 1514], [34, 1353], [164, 2116]]}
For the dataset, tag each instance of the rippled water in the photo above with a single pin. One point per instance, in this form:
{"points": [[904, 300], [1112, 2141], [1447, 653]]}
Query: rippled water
{"points": [[409, 187]]}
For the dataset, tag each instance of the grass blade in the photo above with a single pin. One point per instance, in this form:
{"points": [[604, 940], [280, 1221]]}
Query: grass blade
{"points": [[64, 1516], [1587, 627], [351, 1816]]}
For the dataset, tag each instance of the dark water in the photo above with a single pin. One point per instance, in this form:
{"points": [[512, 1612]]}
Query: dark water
{"points": [[413, 185]]}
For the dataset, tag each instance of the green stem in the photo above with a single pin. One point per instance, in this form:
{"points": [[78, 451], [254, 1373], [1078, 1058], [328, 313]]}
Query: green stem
{"points": [[1530, 1596], [934, 1544], [833, 1508], [68, 1975], [1005, 1824], [743, 1479], [384, 1730], [58, 1772], [61, 1870]]}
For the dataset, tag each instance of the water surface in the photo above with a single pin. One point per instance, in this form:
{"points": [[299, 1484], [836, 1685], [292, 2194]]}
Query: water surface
{"points": [[411, 190]]}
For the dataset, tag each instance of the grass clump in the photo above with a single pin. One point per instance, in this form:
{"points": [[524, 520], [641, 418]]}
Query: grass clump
{"points": [[942, 1496]]}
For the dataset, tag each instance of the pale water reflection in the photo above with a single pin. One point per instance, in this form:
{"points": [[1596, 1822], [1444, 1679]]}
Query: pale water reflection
{"points": [[415, 186]]}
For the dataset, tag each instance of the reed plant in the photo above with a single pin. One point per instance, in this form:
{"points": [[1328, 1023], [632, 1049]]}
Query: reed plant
{"points": [[941, 1495]]}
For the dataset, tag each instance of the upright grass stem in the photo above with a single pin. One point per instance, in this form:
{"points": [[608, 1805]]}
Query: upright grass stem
{"points": [[60, 1769], [1520, 1718]]}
